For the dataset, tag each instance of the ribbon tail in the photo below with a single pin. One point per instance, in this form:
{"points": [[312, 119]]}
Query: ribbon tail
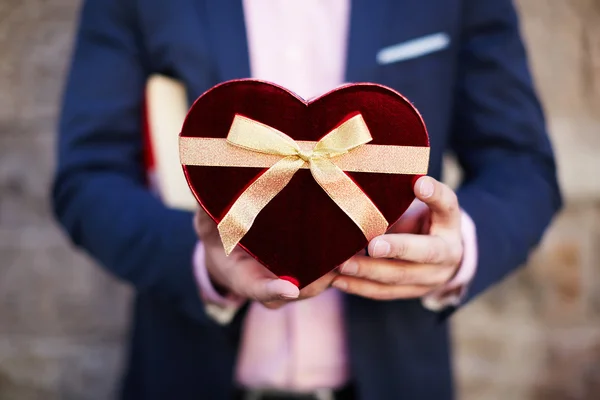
{"points": [[240, 217], [349, 197]]}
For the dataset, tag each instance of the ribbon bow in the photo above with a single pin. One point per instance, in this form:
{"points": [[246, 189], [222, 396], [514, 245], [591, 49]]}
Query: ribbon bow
{"points": [[252, 144]]}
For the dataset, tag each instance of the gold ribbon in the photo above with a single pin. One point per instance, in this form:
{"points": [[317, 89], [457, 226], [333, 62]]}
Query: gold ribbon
{"points": [[253, 144]]}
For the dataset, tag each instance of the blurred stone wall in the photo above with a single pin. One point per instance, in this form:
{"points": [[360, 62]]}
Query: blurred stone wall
{"points": [[63, 321], [537, 335]]}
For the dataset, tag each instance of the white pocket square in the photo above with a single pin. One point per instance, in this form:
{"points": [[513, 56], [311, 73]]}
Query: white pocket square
{"points": [[413, 48]]}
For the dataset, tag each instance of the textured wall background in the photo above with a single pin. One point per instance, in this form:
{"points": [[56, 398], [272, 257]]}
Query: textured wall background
{"points": [[63, 321]]}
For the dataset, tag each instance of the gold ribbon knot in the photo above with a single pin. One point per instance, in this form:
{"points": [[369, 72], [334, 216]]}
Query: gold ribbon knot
{"points": [[284, 157]]}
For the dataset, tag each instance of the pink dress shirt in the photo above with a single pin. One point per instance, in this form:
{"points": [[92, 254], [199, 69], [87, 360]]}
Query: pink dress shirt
{"points": [[301, 45]]}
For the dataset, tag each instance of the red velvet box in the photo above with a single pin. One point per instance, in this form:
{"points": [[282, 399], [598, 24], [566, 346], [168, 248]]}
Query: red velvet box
{"points": [[302, 233]]}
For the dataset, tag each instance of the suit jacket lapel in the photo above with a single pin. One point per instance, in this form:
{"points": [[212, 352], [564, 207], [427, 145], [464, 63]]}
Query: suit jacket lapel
{"points": [[228, 33], [367, 20]]}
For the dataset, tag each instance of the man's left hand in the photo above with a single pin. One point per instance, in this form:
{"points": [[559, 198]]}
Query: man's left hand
{"points": [[421, 252]]}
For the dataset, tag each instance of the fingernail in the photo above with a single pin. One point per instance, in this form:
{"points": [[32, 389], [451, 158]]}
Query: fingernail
{"points": [[349, 268], [289, 292], [381, 248], [426, 187], [284, 289], [340, 285]]}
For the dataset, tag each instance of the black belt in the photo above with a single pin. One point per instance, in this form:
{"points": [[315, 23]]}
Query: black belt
{"points": [[345, 393]]}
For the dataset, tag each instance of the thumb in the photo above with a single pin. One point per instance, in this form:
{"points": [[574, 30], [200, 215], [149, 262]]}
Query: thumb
{"points": [[271, 289], [441, 200]]}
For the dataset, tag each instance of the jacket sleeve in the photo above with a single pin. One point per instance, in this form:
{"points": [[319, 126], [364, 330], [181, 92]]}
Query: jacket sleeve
{"points": [[99, 193], [510, 188]]}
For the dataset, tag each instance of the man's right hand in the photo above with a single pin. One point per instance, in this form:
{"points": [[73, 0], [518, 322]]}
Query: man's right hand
{"points": [[241, 275]]}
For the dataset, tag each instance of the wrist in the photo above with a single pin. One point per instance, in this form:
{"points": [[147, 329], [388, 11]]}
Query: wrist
{"points": [[211, 288], [453, 292]]}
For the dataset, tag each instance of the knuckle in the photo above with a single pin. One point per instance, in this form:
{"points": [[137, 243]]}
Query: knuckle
{"points": [[381, 273], [433, 254], [373, 273], [399, 249], [449, 201], [401, 276]]}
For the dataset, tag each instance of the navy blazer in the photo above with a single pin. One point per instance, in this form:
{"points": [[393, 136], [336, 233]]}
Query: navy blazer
{"points": [[476, 97]]}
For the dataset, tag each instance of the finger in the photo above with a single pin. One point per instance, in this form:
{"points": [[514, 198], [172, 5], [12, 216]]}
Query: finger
{"points": [[273, 305], [312, 290], [269, 289], [424, 249], [205, 227], [441, 200], [319, 286], [394, 272], [250, 279], [378, 291]]}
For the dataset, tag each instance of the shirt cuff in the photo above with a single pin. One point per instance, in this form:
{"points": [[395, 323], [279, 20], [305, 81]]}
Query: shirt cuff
{"points": [[221, 308], [454, 291]]}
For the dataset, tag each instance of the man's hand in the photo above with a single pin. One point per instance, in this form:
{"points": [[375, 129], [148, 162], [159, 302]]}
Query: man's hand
{"points": [[241, 275], [419, 253]]}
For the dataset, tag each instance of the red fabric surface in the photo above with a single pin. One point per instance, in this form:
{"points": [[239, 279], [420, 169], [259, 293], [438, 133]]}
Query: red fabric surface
{"points": [[302, 233], [149, 162]]}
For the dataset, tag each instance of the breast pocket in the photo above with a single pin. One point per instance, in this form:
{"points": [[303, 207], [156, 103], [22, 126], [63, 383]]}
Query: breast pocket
{"points": [[414, 48], [416, 66]]}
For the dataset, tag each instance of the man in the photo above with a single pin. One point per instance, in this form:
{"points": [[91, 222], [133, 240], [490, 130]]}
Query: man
{"points": [[200, 330]]}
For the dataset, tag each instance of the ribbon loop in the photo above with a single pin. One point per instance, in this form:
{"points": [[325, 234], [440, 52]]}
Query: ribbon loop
{"points": [[261, 138], [346, 137]]}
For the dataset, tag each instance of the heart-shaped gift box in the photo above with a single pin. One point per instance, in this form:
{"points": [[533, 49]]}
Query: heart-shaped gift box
{"points": [[312, 219]]}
